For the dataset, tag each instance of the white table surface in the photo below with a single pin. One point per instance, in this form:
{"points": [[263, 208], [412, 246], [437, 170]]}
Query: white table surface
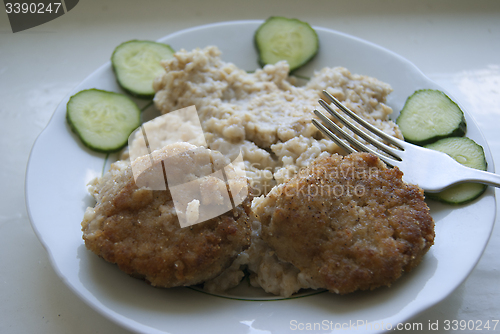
{"points": [[455, 43]]}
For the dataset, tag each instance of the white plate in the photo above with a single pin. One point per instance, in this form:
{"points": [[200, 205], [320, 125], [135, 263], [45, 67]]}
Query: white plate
{"points": [[59, 168]]}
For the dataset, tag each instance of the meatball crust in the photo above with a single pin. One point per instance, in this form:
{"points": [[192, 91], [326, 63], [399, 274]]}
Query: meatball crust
{"points": [[349, 223]]}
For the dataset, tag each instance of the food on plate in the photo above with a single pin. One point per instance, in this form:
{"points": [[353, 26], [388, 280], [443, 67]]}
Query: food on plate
{"points": [[468, 153], [136, 64], [103, 120], [266, 118], [347, 223], [280, 38], [429, 115], [137, 228]]}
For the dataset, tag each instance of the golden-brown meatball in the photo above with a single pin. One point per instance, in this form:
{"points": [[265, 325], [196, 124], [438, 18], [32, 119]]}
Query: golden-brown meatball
{"points": [[348, 223], [138, 229]]}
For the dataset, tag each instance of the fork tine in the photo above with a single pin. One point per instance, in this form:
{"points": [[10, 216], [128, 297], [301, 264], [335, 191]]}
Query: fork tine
{"points": [[361, 121], [381, 146], [331, 126], [333, 137]]}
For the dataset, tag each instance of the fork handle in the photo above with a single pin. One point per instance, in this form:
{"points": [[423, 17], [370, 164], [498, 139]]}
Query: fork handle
{"points": [[479, 176]]}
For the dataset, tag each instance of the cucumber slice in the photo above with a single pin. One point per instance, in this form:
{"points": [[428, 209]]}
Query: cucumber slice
{"points": [[429, 115], [280, 38], [103, 120], [137, 63], [468, 153]]}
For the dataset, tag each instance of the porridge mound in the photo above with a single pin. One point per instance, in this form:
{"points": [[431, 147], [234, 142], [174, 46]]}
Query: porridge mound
{"points": [[264, 112]]}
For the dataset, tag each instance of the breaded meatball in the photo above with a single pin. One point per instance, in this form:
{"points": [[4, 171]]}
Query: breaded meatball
{"points": [[348, 223], [138, 229]]}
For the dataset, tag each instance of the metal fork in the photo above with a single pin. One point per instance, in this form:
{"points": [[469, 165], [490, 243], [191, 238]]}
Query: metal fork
{"points": [[433, 171]]}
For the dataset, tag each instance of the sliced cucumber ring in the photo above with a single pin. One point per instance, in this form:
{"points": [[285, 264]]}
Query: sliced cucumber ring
{"points": [[281, 38], [468, 153], [429, 115], [103, 120], [137, 63]]}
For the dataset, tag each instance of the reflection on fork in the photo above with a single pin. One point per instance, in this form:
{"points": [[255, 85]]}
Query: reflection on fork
{"points": [[433, 171]]}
